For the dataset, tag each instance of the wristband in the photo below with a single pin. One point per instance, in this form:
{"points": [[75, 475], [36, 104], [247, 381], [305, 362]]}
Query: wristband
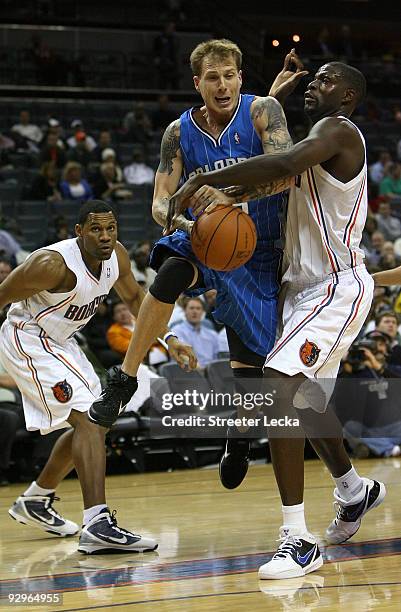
{"points": [[168, 335]]}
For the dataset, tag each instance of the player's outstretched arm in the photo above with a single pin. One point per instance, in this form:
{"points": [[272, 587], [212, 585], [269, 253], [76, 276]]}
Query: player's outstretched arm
{"points": [[271, 125], [44, 270], [387, 277], [168, 176], [326, 139]]}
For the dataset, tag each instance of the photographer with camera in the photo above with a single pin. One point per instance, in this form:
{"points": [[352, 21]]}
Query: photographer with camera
{"points": [[372, 398]]}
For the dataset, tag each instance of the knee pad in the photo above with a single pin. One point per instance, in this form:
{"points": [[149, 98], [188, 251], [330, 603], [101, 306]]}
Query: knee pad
{"points": [[175, 275]]}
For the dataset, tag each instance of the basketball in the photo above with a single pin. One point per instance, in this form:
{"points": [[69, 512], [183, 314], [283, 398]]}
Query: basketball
{"points": [[224, 238]]}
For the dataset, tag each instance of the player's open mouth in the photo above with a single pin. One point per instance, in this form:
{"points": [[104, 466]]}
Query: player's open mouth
{"points": [[223, 101]]}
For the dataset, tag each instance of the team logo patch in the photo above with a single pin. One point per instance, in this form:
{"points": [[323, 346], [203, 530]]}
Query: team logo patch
{"points": [[62, 391], [309, 353]]}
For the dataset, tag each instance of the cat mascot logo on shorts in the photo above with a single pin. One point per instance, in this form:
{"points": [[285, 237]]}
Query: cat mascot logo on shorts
{"points": [[309, 353], [62, 391]]}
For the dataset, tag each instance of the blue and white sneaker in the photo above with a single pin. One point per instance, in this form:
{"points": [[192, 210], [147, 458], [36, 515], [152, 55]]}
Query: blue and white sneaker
{"points": [[38, 511], [350, 513], [297, 555], [102, 535]]}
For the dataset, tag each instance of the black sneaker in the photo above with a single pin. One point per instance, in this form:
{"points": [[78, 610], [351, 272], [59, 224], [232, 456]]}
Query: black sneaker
{"points": [[38, 511], [350, 513], [114, 398], [234, 463], [102, 535]]}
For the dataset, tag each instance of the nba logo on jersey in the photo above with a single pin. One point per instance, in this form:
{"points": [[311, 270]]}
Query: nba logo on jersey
{"points": [[108, 273], [236, 138]]}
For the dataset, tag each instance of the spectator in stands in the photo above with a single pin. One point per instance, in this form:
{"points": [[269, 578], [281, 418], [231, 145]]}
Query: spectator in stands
{"points": [[166, 58], [204, 341], [26, 132], [54, 127], [375, 253], [379, 169], [389, 259], [104, 142], [73, 186], [110, 184], [378, 429], [137, 124], [81, 153], [45, 184], [139, 264], [79, 129], [324, 47], [138, 173], [120, 331], [163, 115], [387, 224], [390, 186], [52, 151], [9, 247], [59, 231]]}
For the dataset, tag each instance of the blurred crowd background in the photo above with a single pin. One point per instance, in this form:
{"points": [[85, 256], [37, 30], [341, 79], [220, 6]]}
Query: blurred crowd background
{"points": [[87, 89]]}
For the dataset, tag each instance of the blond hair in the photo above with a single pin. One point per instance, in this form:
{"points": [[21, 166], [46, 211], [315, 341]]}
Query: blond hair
{"points": [[220, 48], [71, 165]]}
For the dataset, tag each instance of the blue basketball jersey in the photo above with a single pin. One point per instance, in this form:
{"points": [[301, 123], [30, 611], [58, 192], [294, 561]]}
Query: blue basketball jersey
{"points": [[237, 142], [246, 297]]}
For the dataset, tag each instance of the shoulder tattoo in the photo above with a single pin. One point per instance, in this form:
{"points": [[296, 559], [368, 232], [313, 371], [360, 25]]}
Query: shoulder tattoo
{"points": [[169, 147], [276, 137]]}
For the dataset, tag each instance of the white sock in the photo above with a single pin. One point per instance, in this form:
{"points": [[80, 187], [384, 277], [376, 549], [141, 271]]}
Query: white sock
{"points": [[90, 513], [294, 516], [349, 485], [35, 489]]}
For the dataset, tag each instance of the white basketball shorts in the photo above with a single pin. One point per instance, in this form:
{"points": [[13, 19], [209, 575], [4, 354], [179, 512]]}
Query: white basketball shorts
{"points": [[53, 379], [320, 323]]}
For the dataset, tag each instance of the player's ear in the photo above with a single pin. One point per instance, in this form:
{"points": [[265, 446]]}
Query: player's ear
{"points": [[349, 95], [240, 76], [78, 230], [196, 82]]}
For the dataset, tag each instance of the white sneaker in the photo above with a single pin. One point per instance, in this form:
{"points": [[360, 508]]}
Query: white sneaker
{"points": [[38, 511], [350, 513], [103, 535], [297, 555]]}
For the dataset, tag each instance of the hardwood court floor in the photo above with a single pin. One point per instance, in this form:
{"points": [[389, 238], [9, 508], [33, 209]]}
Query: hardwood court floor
{"points": [[211, 542]]}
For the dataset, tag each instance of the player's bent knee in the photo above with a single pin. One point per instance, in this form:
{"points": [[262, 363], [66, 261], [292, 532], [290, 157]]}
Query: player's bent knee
{"points": [[175, 275]]}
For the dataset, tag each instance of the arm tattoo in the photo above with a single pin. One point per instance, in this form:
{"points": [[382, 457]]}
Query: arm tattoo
{"points": [[245, 194], [169, 147], [275, 138]]}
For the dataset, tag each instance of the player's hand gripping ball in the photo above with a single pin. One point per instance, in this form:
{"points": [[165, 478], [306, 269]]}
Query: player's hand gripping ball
{"points": [[224, 238]]}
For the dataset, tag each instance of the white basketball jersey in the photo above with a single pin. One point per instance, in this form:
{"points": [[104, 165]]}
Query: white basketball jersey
{"points": [[325, 221], [60, 315]]}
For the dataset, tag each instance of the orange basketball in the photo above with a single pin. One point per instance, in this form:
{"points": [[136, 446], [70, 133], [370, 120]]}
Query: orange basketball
{"points": [[223, 239]]}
